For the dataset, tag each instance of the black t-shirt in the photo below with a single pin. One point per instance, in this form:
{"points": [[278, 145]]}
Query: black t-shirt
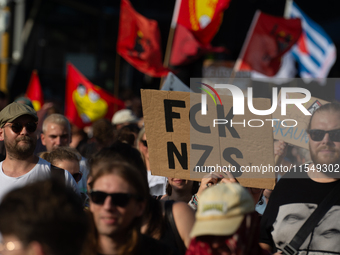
{"points": [[291, 203], [150, 246]]}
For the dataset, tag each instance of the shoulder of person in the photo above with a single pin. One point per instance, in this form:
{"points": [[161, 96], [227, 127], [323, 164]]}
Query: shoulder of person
{"points": [[184, 217]]}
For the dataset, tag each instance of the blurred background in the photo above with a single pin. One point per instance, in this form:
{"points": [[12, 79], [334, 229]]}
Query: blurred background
{"points": [[45, 35]]}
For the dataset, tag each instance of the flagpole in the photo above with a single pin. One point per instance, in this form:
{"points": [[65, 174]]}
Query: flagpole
{"points": [[116, 81], [171, 37], [288, 9], [245, 45]]}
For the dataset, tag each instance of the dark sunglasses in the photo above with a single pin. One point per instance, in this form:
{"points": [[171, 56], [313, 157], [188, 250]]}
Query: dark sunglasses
{"points": [[144, 143], [317, 135], [77, 176], [17, 127], [118, 199]]}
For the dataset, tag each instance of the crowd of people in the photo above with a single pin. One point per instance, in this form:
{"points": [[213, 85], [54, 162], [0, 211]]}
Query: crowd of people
{"points": [[68, 191]]}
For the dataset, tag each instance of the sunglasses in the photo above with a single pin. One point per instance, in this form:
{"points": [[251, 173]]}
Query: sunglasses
{"points": [[144, 143], [17, 127], [317, 135], [77, 176], [118, 199]]}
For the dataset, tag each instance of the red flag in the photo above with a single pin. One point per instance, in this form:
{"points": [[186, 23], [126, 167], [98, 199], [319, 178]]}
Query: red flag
{"points": [[186, 48], [85, 102], [202, 17], [269, 38], [139, 41], [34, 91]]}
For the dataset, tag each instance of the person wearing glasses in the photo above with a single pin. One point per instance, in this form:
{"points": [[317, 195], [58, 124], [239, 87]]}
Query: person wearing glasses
{"points": [[304, 187], [118, 198], [56, 133], [18, 123]]}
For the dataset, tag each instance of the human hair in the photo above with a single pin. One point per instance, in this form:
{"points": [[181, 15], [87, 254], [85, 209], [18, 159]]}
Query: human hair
{"points": [[330, 107], [47, 212], [103, 132], [128, 134], [139, 138], [121, 152], [58, 119], [60, 154], [135, 179], [195, 187]]}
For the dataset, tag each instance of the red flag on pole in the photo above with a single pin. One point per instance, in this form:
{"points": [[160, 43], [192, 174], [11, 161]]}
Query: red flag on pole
{"points": [[186, 48], [139, 41], [202, 18], [34, 91], [85, 102], [268, 39]]}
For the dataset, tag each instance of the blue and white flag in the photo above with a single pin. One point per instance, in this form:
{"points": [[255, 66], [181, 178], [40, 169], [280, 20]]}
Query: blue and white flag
{"points": [[315, 52]]}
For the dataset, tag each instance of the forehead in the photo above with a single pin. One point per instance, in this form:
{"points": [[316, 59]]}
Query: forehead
{"points": [[112, 183], [54, 127], [326, 120], [24, 119]]}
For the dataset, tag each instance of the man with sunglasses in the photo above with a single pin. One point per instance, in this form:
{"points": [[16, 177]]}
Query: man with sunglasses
{"points": [[300, 192], [18, 123]]}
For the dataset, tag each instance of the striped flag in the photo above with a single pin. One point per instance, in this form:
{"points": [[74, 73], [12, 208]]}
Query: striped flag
{"points": [[314, 51]]}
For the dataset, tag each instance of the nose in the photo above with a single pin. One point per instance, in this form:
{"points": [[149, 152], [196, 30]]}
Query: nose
{"points": [[326, 139], [24, 131], [58, 141], [108, 205]]}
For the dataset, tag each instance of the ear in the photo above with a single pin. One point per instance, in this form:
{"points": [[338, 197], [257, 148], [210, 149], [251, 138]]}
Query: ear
{"points": [[2, 134], [35, 248], [140, 208], [42, 137]]}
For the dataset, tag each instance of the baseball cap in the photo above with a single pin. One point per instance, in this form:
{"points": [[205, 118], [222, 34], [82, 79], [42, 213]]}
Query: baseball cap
{"points": [[124, 116], [221, 209], [15, 110]]}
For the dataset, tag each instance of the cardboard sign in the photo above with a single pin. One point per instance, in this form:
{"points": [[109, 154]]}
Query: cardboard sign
{"points": [[295, 135], [186, 147]]}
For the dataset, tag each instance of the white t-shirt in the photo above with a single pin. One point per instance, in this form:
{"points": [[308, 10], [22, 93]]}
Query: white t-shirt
{"points": [[157, 184], [41, 171], [82, 184]]}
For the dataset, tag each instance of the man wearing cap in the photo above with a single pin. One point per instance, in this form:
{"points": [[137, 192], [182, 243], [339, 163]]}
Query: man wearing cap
{"points": [[18, 123], [123, 117], [302, 190]]}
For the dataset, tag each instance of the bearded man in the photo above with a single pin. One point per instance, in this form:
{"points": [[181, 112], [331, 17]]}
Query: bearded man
{"points": [[295, 199], [18, 123]]}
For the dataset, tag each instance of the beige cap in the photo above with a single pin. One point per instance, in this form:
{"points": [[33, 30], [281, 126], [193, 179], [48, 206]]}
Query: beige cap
{"points": [[124, 116], [221, 209], [15, 110]]}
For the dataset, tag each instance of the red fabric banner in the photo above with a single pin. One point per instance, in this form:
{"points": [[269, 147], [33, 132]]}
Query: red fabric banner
{"points": [[34, 91], [85, 102], [271, 37], [139, 41], [202, 17], [186, 48]]}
